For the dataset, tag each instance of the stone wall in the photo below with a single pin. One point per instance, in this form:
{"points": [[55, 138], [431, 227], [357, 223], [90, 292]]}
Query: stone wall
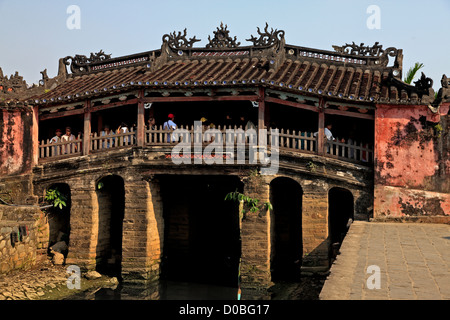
{"points": [[23, 237], [412, 169]]}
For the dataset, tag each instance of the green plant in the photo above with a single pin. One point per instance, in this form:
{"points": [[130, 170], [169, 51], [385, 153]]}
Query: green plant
{"points": [[56, 198], [412, 72], [438, 129], [250, 203], [311, 166]]}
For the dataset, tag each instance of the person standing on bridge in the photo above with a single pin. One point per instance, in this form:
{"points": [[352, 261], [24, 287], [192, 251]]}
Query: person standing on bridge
{"points": [[68, 136], [171, 126], [57, 139]]}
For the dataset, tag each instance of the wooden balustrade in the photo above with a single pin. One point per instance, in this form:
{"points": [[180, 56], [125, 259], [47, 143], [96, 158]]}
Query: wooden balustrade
{"points": [[297, 141], [113, 140], [48, 149]]}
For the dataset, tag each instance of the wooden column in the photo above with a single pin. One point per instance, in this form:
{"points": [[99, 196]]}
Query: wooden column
{"points": [[321, 131], [140, 134], [87, 128], [261, 117], [35, 136]]}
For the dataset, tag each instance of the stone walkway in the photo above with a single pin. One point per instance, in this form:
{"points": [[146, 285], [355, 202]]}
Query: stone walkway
{"points": [[47, 281], [33, 284], [412, 261]]}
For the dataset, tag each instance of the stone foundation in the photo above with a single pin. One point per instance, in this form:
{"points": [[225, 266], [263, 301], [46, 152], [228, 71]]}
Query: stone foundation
{"points": [[23, 238]]}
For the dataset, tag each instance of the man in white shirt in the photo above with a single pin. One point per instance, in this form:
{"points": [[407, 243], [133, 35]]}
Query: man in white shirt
{"points": [[328, 133], [170, 125], [56, 139], [68, 136]]}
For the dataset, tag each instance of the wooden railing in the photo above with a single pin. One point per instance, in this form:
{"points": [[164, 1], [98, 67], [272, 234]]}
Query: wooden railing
{"points": [[304, 141], [48, 149], [286, 140], [113, 140], [230, 135], [351, 150]]}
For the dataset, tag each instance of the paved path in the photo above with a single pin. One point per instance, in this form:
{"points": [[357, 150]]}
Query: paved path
{"points": [[413, 260]]}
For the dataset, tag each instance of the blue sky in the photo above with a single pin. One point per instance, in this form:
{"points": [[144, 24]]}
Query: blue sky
{"points": [[35, 34]]}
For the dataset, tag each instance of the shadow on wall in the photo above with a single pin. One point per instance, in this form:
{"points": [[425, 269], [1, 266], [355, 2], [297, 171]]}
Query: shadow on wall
{"points": [[111, 206]]}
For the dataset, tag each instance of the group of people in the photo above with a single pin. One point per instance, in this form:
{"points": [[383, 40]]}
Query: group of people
{"points": [[66, 137]]}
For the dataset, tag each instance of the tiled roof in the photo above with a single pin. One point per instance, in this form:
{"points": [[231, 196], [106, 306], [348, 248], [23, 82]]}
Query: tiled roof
{"points": [[338, 75]]}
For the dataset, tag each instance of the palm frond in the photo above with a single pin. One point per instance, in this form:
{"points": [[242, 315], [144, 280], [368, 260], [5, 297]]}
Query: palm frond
{"points": [[412, 72]]}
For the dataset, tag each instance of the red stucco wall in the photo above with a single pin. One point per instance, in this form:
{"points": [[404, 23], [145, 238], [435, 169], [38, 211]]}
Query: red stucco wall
{"points": [[15, 142], [407, 162]]}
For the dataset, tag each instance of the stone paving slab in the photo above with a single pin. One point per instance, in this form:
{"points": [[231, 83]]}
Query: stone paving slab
{"points": [[410, 260]]}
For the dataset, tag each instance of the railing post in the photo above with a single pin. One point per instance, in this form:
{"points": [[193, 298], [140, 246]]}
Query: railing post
{"points": [[261, 117], [321, 131], [140, 134], [87, 128]]}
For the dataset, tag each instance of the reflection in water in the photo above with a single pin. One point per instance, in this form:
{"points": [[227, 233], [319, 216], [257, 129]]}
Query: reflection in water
{"points": [[165, 290], [196, 291]]}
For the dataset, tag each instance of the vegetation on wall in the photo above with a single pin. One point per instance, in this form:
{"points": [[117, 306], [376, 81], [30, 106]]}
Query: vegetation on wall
{"points": [[55, 197]]}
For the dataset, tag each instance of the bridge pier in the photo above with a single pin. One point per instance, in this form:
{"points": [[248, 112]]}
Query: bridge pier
{"points": [[256, 244], [83, 224], [315, 227], [143, 229]]}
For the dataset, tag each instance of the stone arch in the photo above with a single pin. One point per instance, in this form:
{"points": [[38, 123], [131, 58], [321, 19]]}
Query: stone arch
{"points": [[110, 191], [286, 197], [201, 229], [59, 219], [341, 209]]}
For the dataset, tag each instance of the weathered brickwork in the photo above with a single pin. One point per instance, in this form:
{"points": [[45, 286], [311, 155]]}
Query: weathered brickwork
{"points": [[256, 239], [23, 237]]}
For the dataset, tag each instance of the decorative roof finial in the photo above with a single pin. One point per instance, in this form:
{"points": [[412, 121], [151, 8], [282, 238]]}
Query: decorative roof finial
{"points": [[222, 39], [179, 41], [267, 38]]}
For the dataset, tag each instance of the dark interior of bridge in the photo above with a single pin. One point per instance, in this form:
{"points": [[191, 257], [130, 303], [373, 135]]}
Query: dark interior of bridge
{"points": [[111, 206], [286, 255], [340, 210], [202, 235]]}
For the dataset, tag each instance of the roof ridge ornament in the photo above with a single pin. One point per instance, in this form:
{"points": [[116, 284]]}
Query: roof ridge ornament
{"points": [[222, 39], [179, 41], [375, 51], [79, 62], [424, 83], [353, 49], [266, 38]]}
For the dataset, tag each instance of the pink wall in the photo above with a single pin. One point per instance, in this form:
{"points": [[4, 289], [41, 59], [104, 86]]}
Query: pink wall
{"points": [[407, 164], [15, 142]]}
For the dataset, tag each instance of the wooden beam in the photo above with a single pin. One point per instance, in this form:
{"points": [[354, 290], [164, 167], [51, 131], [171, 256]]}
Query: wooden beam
{"points": [[321, 131], [350, 114], [140, 134], [261, 117], [291, 104], [114, 104], [87, 128], [201, 98], [60, 114]]}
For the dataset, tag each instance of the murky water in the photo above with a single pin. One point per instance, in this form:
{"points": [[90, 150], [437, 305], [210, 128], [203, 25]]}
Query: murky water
{"points": [[165, 290]]}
